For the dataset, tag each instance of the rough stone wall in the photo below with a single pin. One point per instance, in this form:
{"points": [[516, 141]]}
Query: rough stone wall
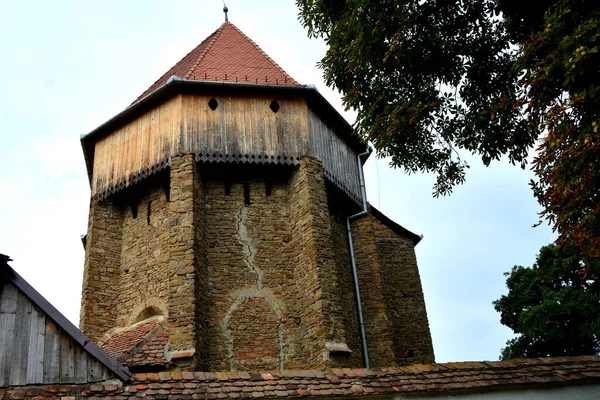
{"points": [[182, 278], [144, 258], [375, 313], [101, 273], [251, 277], [404, 297], [159, 257], [314, 257], [347, 292], [201, 263]]}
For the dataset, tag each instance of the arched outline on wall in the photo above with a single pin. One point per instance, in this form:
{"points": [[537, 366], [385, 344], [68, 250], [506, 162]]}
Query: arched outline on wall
{"points": [[258, 291], [240, 296], [154, 306]]}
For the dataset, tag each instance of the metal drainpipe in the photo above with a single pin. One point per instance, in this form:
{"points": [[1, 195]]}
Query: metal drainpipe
{"points": [[361, 322]]}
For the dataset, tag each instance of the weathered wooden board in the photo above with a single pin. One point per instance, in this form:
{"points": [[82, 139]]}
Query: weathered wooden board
{"points": [[245, 129], [35, 358], [8, 310], [51, 353], [81, 365], [67, 359], [35, 350], [144, 143], [241, 129], [20, 350], [339, 160]]}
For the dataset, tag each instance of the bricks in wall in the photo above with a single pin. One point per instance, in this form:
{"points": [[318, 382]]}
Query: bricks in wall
{"points": [[201, 266], [251, 303], [101, 271], [347, 291], [183, 261], [250, 277], [377, 326], [144, 289], [404, 297], [315, 260]]}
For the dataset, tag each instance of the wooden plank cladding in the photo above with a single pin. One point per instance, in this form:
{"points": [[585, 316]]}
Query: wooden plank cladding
{"points": [[228, 128], [138, 148], [245, 129], [339, 160], [34, 350]]}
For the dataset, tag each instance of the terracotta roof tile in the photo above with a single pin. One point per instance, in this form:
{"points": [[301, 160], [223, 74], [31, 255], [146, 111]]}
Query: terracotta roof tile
{"points": [[143, 344], [414, 379], [418, 379], [227, 55]]}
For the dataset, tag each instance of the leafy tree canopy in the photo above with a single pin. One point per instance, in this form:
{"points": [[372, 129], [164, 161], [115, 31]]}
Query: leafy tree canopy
{"points": [[552, 306], [491, 77]]}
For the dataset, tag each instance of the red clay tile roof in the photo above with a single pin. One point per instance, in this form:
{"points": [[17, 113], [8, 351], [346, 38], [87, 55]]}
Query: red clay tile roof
{"points": [[416, 379], [143, 344], [152, 354], [230, 56]]}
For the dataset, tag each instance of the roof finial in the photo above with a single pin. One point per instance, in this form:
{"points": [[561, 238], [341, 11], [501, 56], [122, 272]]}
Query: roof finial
{"points": [[225, 10]]}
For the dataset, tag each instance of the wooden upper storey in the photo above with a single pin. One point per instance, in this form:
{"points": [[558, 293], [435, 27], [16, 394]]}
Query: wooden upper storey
{"points": [[225, 101], [238, 123]]}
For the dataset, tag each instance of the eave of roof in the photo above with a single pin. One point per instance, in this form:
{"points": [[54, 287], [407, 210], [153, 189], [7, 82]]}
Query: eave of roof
{"points": [[176, 85], [394, 226], [12, 276]]}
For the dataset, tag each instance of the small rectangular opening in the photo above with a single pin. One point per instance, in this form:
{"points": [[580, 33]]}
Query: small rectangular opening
{"points": [[247, 194], [148, 213], [268, 187], [227, 188]]}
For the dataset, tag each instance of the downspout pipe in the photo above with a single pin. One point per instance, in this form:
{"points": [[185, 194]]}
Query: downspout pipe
{"points": [[361, 322]]}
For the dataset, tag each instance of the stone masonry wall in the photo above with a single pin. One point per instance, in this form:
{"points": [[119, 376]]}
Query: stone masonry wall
{"points": [[375, 313], [201, 263], [253, 275], [182, 277], [347, 292], [153, 263], [404, 297], [251, 305], [316, 279], [101, 273], [144, 258]]}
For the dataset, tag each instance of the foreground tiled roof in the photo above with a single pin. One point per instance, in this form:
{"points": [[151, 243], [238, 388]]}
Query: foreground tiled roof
{"points": [[143, 344], [227, 55], [415, 379]]}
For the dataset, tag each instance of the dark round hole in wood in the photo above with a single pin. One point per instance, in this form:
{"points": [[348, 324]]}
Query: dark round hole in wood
{"points": [[274, 106], [213, 103]]}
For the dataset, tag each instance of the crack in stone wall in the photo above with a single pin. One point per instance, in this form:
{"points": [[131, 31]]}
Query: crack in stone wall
{"points": [[249, 249], [241, 296]]}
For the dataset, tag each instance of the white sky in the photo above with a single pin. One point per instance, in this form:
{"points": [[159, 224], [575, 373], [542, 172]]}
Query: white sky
{"points": [[68, 66]]}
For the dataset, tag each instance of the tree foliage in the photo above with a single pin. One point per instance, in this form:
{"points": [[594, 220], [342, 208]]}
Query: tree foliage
{"points": [[552, 306], [492, 77]]}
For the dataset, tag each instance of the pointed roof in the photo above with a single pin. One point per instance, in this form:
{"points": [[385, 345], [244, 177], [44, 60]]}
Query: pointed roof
{"points": [[227, 55]]}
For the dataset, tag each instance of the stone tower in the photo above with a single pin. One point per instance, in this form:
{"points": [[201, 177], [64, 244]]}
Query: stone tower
{"points": [[217, 236]]}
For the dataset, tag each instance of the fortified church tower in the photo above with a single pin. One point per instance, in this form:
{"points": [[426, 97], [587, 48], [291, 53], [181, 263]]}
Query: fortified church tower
{"points": [[218, 228]]}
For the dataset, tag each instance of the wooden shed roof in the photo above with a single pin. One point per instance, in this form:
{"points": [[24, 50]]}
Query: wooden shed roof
{"points": [[11, 280]]}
